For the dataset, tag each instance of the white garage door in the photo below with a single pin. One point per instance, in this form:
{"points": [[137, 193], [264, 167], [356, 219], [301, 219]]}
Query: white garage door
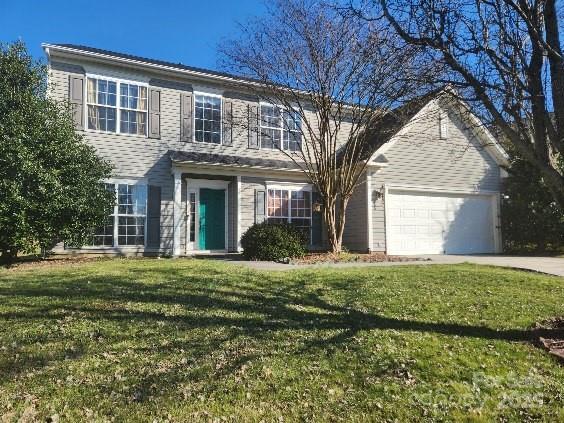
{"points": [[427, 223]]}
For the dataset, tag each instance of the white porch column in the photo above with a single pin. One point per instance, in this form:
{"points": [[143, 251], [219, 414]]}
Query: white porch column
{"points": [[370, 204], [238, 217], [177, 212]]}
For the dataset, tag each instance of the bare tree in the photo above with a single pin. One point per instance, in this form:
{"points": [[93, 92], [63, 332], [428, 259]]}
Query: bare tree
{"points": [[505, 59], [331, 78]]}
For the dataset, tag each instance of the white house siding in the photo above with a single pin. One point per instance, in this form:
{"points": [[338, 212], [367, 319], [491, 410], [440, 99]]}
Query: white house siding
{"points": [[418, 157]]}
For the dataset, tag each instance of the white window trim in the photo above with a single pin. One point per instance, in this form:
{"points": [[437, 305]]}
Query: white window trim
{"points": [[297, 187], [194, 186], [207, 94], [118, 107], [192, 245], [443, 125], [282, 110], [292, 186]]}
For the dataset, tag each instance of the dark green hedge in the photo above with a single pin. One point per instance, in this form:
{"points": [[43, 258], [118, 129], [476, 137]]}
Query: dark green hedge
{"points": [[272, 242], [531, 220]]}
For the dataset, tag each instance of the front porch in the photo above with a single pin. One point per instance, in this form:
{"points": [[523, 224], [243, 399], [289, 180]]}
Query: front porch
{"points": [[205, 213], [214, 204]]}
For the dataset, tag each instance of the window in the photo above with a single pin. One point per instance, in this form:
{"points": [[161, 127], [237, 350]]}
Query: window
{"points": [[126, 225], [443, 126], [278, 206], [132, 204], [104, 235], [279, 129], [104, 110], [291, 206], [133, 103], [192, 204], [270, 127], [207, 118]]}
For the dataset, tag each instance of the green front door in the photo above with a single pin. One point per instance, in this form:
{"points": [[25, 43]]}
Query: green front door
{"points": [[212, 219]]}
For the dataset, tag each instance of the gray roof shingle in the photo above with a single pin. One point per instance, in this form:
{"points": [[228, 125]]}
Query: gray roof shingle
{"points": [[229, 160]]}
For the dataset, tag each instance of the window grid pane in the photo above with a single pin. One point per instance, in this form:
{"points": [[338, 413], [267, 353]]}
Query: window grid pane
{"points": [[101, 99], [207, 119], [292, 132], [133, 103], [300, 206], [279, 129], [192, 202], [278, 203], [132, 206], [270, 127], [102, 118], [103, 236]]}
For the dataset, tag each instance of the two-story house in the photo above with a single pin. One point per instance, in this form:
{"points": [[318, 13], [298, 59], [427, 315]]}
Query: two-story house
{"points": [[188, 179]]}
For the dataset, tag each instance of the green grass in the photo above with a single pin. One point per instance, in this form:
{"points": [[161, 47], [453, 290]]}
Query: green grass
{"points": [[188, 340]]}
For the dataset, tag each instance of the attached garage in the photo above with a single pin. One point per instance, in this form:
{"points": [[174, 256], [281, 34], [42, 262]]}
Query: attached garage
{"points": [[423, 222]]}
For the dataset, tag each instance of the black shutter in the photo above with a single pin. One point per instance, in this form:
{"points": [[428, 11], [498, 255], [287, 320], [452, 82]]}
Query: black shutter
{"points": [[253, 126], [260, 205], [154, 216], [154, 112], [316, 220], [227, 122], [76, 99], [186, 117]]}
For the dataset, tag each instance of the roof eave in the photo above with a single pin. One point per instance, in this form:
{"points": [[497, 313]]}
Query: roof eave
{"points": [[50, 48]]}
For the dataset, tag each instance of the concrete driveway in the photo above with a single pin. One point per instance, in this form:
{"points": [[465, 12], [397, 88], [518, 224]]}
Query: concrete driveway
{"points": [[549, 265]]}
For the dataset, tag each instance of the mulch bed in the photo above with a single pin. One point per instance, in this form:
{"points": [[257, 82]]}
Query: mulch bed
{"points": [[550, 336], [319, 258]]}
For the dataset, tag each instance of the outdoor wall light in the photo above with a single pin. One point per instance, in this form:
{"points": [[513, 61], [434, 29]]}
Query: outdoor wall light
{"points": [[317, 206], [376, 195]]}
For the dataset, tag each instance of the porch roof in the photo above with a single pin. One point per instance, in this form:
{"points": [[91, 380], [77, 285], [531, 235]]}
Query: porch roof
{"points": [[194, 157]]}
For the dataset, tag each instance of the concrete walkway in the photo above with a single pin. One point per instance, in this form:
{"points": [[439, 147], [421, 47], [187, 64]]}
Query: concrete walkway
{"points": [[549, 265]]}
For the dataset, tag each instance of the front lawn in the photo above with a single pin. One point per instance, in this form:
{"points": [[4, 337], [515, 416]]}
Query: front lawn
{"points": [[189, 340]]}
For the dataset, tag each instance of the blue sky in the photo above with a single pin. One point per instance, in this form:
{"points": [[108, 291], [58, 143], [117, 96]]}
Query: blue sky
{"points": [[177, 31]]}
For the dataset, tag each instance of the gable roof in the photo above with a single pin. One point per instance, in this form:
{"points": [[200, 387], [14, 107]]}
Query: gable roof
{"points": [[394, 121]]}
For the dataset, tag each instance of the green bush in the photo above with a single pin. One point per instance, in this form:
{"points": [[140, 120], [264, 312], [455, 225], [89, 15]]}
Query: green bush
{"points": [[264, 241]]}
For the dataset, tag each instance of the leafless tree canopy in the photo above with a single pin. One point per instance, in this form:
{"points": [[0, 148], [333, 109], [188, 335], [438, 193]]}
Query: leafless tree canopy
{"points": [[503, 56], [338, 76]]}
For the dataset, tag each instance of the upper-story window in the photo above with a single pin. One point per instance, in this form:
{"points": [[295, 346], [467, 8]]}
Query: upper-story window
{"points": [[102, 106], [207, 118], [104, 109], [133, 103], [279, 129]]}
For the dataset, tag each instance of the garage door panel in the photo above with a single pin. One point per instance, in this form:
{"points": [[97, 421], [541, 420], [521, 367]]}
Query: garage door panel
{"points": [[428, 223]]}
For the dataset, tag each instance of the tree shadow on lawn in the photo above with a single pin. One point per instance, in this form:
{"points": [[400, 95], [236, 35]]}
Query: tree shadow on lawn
{"points": [[253, 310]]}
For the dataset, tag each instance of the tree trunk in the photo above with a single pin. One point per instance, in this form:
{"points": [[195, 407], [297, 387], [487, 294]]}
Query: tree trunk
{"points": [[329, 214], [334, 215]]}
